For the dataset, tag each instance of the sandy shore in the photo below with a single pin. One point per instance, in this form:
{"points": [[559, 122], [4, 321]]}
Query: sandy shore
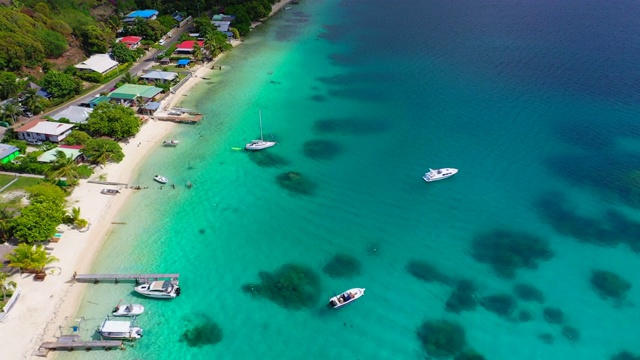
{"points": [[45, 307]]}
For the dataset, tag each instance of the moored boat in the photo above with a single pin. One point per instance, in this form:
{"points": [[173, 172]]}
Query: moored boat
{"points": [[255, 145], [127, 310], [346, 297], [439, 174], [161, 289], [170, 143], [109, 191], [119, 329], [161, 179]]}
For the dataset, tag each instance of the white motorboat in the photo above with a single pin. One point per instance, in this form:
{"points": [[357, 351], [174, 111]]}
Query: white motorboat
{"points": [[439, 174], [162, 289], [161, 179], [259, 144], [127, 310], [346, 297], [170, 143], [109, 191], [119, 329]]}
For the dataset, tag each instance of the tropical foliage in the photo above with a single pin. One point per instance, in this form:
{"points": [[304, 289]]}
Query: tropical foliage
{"points": [[77, 137], [102, 151], [6, 286], [122, 54], [60, 84], [38, 220], [114, 121], [64, 167], [30, 258]]}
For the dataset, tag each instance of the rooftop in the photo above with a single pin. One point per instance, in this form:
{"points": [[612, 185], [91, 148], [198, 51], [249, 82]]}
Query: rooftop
{"points": [[6, 150], [143, 13], [98, 62], [45, 127], [51, 155], [188, 45], [163, 75], [132, 91], [75, 114]]}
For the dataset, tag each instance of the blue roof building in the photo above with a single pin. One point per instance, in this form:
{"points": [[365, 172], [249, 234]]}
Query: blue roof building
{"points": [[144, 14]]}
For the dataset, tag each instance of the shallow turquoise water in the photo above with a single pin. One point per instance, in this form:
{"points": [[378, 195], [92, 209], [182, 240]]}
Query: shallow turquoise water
{"points": [[521, 111]]}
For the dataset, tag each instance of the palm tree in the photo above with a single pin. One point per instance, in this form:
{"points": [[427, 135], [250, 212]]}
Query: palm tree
{"points": [[213, 46], [30, 101], [5, 285], [64, 167], [31, 258], [127, 78], [5, 223], [41, 259], [197, 52], [102, 155], [11, 111]]}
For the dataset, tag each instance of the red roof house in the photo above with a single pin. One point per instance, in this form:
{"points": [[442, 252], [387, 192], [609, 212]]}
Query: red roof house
{"points": [[131, 42], [187, 46]]}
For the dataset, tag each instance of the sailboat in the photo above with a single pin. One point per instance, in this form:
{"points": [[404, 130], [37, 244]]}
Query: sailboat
{"points": [[259, 144]]}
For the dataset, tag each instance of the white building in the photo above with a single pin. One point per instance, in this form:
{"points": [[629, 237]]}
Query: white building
{"points": [[43, 130], [100, 63]]}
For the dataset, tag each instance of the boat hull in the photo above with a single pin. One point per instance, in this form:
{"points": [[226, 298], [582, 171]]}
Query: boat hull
{"points": [[128, 310], [259, 145], [342, 300], [160, 179], [439, 174]]}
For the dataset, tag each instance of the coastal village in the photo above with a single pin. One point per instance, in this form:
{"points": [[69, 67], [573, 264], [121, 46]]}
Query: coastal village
{"points": [[71, 141]]}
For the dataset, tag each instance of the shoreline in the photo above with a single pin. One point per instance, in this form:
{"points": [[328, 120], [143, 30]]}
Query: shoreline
{"points": [[44, 308]]}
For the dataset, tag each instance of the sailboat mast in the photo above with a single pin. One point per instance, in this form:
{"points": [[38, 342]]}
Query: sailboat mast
{"points": [[261, 137]]}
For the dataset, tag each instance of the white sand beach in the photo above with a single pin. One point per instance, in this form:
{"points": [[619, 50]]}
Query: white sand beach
{"points": [[45, 306]]}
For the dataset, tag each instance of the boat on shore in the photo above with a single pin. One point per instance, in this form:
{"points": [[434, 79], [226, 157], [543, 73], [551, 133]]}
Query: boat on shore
{"points": [[346, 297], [439, 174], [161, 289], [161, 179], [119, 329], [170, 143], [255, 145], [109, 191], [127, 310]]}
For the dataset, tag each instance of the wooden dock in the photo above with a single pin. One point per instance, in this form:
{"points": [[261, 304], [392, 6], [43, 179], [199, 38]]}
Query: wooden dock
{"points": [[183, 119], [139, 278], [73, 342]]}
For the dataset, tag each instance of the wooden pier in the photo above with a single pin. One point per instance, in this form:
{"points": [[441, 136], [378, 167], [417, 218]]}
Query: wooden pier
{"points": [[138, 278], [73, 342], [184, 118]]}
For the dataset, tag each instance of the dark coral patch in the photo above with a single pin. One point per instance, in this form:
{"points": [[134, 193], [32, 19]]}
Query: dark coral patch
{"points": [[609, 284], [295, 182], [205, 332], [350, 126], [469, 355], [524, 316], [321, 149], [546, 338], [528, 293], [267, 159], [463, 298], [291, 286], [342, 265], [441, 338], [426, 272], [319, 98], [500, 304], [625, 355], [507, 251], [553, 315], [571, 333]]}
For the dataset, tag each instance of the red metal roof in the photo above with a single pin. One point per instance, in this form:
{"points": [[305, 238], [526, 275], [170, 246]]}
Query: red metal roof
{"points": [[188, 45], [77, 147], [130, 39]]}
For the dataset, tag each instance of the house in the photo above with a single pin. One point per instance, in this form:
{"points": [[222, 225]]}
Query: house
{"points": [[97, 100], [8, 153], [131, 42], [183, 62], [128, 93], [143, 14], [222, 17], [100, 63], [178, 17], [160, 76], [70, 151], [186, 47], [42, 130], [39, 91], [75, 114], [222, 25]]}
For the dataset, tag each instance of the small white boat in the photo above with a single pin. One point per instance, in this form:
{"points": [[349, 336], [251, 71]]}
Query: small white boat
{"points": [[169, 143], [109, 191], [259, 144], [346, 297], [167, 289], [127, 310], [119, 329], [161, 179], [439, 174]]}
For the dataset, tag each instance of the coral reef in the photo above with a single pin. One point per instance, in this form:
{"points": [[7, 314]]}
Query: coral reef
{"points": [[462, 298], [342, 265], [469, 355], [507, 251], [296, 183], [553, 315], [500, 304], [546, 338], [291, 286], [321, 149], [426, 272], [527, 292], [571, 333], [524, 316], [625, 355], [267, 159], [441, 338], [609, 284], [205, 332]]}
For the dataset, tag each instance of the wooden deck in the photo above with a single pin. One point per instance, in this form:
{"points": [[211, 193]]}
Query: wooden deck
{"points": [[139, 278], [184, 118], [73, 342]]}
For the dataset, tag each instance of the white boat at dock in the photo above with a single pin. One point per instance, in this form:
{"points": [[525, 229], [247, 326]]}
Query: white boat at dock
{"points": [[161, 289], [119, 329], [439, 174], [346, 297], [127, 310]]}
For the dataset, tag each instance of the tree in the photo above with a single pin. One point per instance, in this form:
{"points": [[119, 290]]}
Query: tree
{"points": [[75, 219], [9, 85], [102, 151], [60, 85], [113, 120], [6, 285], [129, 79], [96, 38], [6, 216], [37, 222], [30, 258], [64, 167], [31, 101], [122, 54], [76, 137], [197, 51], [215, 43], [10, 111], [46, 192]]}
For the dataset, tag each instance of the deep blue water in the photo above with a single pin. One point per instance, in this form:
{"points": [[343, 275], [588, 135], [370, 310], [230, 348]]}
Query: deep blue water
{"points": [[535, 102]]}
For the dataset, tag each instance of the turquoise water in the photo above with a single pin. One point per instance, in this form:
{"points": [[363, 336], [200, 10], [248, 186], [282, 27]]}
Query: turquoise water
{"points": [[537, 110]]}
